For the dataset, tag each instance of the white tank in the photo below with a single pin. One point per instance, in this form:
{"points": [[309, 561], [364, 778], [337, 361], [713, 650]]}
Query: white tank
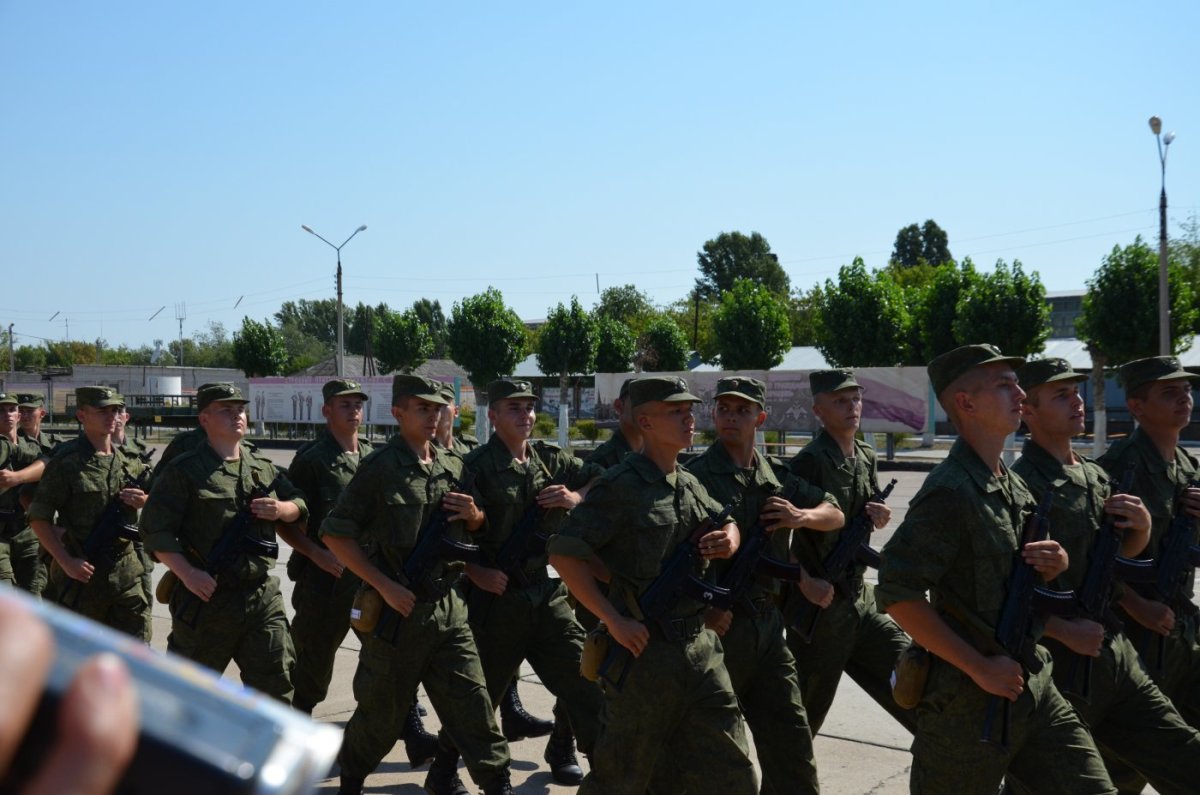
{"points": [[164, 385]]}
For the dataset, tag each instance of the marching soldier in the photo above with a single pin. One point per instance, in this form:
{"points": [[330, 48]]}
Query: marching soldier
{"points": [[23, 463], [625, 439], [30, 560], [133, 446], [460, 443]]}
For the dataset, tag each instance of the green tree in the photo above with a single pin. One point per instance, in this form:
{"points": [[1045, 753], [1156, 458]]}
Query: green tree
{"points": [[694, 316], [30, 357], [486, 338], [927, 243], [731, 256], [1006, 308], [303, 349], [933, 315], [402, 342], [430, 313], [1120, 309], [751, 328], [862, 321], [802, 315], [317, 319], [259, 349], [567, 345], [363, 325], [661, 347], [627, 304], [615, 346]]}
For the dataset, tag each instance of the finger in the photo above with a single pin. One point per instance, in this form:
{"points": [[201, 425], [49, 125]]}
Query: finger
{"points": [[98, 730], [25, 655]]}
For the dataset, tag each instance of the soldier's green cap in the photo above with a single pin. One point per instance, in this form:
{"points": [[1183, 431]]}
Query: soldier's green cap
{"points": [[98, 396], [1140, 372], [623, 394], [208, 394], [31, 400], [667, 388], [743, 387], [507, 388], [8, 399], [945, 369], [447, 390], [418, 387], [342, 386], [1047, 371], [831, 380]]}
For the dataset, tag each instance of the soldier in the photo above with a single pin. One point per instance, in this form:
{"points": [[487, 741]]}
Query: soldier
{"points": [[461, 443], [23, 464], [1129, 718], [1158, 392], [625, 439], [391, 497], [229, 608], [677, 698], [760, 666], [957, 544], [851, 635], [189, 440], [529, 617], [30, 560], [33, 410], [133, 446], [80, 481]]}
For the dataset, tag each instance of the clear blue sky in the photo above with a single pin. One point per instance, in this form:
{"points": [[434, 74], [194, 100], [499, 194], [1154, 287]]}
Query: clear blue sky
{"points": [[166, 153]]}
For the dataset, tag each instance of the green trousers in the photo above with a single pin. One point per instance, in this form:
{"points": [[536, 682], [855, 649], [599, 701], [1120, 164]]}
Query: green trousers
{"points": [[21, 562], [322, 603], [114, 596]]}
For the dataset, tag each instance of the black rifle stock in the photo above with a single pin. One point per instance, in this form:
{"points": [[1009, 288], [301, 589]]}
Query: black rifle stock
{"points": [[752, 559], [853, 548]]}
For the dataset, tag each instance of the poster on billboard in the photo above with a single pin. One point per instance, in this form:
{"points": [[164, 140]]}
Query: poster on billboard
{"points": [[298, 399]]}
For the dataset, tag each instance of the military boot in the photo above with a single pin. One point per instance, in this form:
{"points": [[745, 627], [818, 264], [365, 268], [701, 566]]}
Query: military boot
{"points": [[500, 786], [442, 778], [351, 786], [420, 745], [515, 722], [560, 755]]}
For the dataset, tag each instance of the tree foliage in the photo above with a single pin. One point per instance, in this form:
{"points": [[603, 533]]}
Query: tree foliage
{"points": [[485, 337], [402, 342], [661, 347], [363, 323], [567, 344], [1120, 308], [731, 256], [627, 304], [615, 346], [1006, 308], [862, 320], [259, 349], [927, 243], [935, 309], [694, 317], [430, 313], [751, 328], [317, 319]]}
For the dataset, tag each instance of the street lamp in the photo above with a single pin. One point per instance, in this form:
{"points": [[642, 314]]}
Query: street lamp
{"points": [[341, 351], [1164, 291]]}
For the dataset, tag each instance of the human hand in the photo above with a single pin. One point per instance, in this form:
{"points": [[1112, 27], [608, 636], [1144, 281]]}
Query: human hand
{"points": [[490, 580], [1048, 558]]}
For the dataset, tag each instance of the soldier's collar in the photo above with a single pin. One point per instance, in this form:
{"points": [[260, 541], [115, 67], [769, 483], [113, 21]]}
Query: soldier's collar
{"points": [[1050, 467], [648, 470], [1150, 455], [970, 461]]}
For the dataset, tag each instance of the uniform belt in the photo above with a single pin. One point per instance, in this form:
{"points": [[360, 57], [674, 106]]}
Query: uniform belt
{"points": [[235, 585], [679, 629]]}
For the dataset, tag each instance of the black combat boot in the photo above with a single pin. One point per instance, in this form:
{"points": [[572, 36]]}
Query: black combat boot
{"points": [[500, 786], [420, 745], [515, 722], [560, 751], [351, 786], [442, 778]]}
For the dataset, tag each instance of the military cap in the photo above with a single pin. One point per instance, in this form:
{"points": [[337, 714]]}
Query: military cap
{"points": [[221, 391], [831, 380], [667, 388], [1047, 371], [31, 400], [98, 396], [945, 369], [418, 387], [506, 388], [447, 390], [623, 394], [1140, 372], [743, 387], [342, 386], [8, 399]]}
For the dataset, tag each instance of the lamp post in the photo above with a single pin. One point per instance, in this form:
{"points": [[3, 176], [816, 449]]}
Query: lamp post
{"points": [[1164, 291], [341, 352]]}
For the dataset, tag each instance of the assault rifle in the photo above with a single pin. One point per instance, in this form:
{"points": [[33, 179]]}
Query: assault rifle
{"points": [[235, 540], [752, 559], [1024, 599], [108, 528], [433, 546], [676, 579], [853, 549]]}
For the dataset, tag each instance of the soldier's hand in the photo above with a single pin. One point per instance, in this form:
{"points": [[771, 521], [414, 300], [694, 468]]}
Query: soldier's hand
{"points": [[199, 582], [558, 496], [1001, 676], [1048, 558], [8, 479], [490, 580], [327, 561], [816, 590], [1153, 615], [266, 508], [462, 506], [719, 621], [399, 598], [1191, 501], [779, 514], [78, 569], [631, 634], [1129, 510], [720, 543], [879, 512], [134, 498], [1081, 636]]}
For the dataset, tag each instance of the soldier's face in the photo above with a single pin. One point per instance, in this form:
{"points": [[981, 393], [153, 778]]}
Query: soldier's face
{"points": [[839, 411], [224, 420], [513, 419], [98, 421], [344, 413], [994, 402], [1167, 405], [31, 418], [418, 419], [446, 417], [10, 415], [1054, 410], [669, 424], [736, 419]]}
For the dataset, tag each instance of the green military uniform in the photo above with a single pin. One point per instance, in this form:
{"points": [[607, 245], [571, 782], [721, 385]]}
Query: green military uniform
{"points": [[851, 634], [531, 620], [29, 560], [612, 452], [136, 447], [1129, 717], [74, 491], [15, 570], [384, 507], [322, 602], [761, 668], [185, 442], [957, 543], [191, 504], [677, 697]]}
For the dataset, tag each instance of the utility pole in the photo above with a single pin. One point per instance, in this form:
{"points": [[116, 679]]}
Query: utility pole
{"points": [[181, 315]]}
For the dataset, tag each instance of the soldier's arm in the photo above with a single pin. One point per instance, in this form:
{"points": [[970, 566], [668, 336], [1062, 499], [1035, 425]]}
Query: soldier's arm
{"points": [[10, 478]]}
